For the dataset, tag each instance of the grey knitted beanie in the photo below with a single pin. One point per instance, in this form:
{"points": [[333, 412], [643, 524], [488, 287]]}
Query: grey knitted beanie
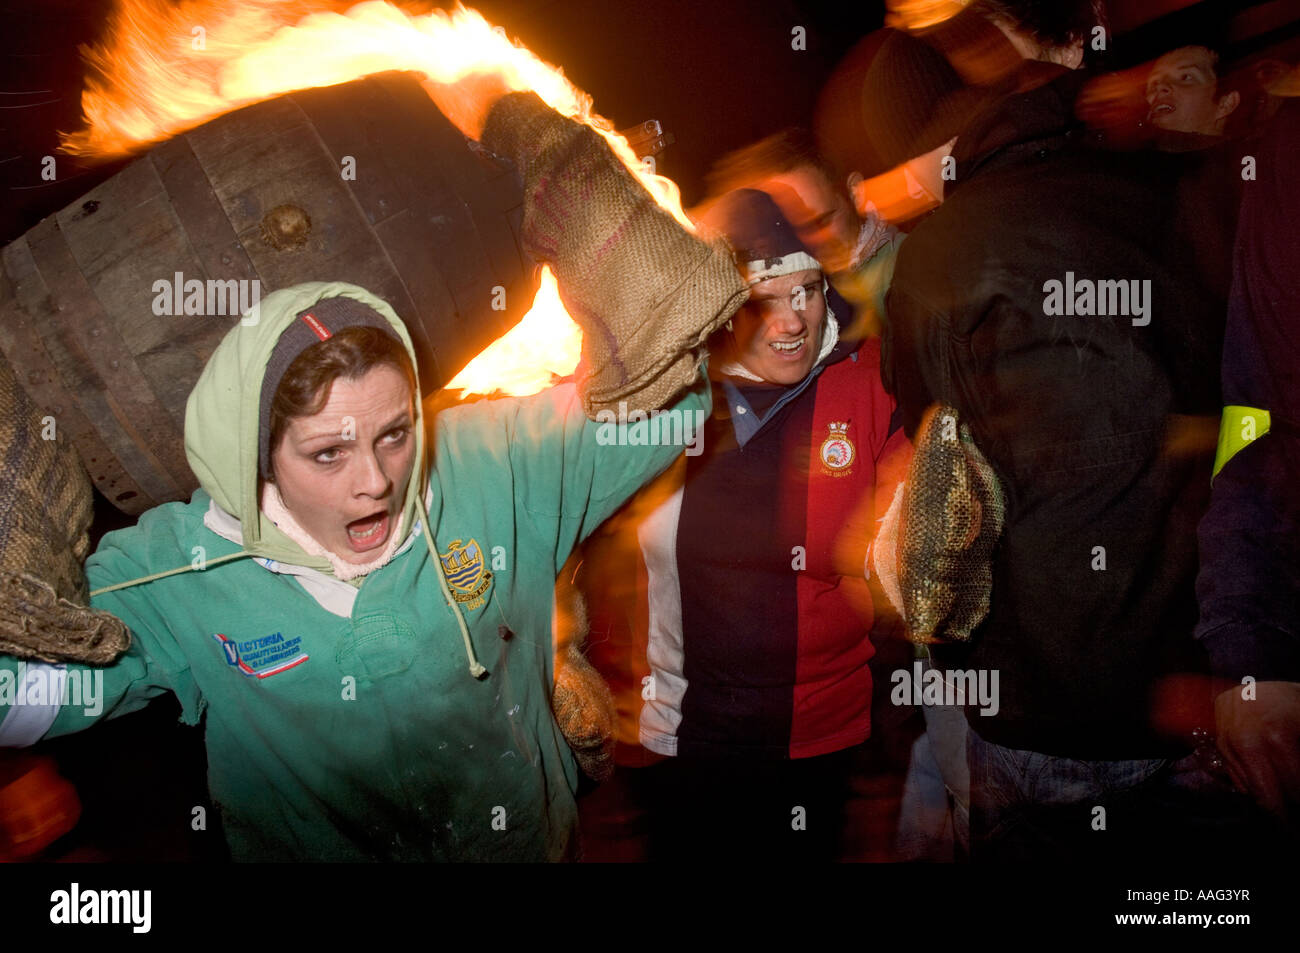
{"points": [[318, 323]]}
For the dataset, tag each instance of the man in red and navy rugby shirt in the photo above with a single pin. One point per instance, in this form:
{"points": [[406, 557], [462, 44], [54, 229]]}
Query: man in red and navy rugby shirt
{"points": [[750, 623]]}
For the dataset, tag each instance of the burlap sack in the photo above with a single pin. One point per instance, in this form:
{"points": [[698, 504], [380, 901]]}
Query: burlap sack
{"points": [[952, 515], [645, 292], [584, 709], [582, 703], [45, 513]]}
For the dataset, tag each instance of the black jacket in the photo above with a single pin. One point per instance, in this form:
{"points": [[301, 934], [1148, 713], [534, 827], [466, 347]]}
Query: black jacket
{"points": [[1087, 419], [1249, 586]]}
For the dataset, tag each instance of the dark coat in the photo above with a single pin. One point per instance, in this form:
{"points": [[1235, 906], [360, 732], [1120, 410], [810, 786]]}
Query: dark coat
{"points": [[1085, 418]]}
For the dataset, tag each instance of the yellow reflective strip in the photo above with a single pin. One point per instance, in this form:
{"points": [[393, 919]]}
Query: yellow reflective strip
{"points": [[1238, 427]]}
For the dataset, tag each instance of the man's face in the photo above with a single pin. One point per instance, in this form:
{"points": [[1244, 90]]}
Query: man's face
{"points": [[343, 472], [821, 214], [1181, 93], [778, 332]]}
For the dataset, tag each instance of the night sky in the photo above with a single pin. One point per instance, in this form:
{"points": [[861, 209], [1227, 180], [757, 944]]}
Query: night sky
{"points": [[716, 74]]}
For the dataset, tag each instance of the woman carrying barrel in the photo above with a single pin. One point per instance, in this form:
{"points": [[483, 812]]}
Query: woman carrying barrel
{"points": [[364, 628]]}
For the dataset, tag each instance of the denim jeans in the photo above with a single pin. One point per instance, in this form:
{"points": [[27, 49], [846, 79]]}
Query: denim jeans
{"points": [[1029, 807], [934, 817]]}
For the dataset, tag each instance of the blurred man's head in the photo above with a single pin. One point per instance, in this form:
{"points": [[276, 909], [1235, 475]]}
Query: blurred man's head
{"points": [[778, 336], [892, 112], [806, 188], [1183, 92], [1054, 31]]}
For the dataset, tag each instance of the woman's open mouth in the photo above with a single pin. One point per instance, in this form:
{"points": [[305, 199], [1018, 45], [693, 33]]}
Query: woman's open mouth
{"points": [[368, 532]]}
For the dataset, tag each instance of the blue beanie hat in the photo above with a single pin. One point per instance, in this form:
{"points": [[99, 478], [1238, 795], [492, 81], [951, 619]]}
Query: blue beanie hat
{"points": [[764, 244]]}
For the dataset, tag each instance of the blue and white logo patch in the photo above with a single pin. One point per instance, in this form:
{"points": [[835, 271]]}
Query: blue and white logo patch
{"points": [[264, 656]]}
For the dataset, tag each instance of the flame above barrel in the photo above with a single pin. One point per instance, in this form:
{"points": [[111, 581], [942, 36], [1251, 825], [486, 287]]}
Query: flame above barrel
{"points": [[164, 69]]}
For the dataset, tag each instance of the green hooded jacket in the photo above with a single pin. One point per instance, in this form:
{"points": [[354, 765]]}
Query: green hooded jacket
{"points": [[342, 721]]}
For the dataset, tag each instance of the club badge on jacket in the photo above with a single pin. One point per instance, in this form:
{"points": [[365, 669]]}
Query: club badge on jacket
{"points": [[467, 573], [838, 452]]}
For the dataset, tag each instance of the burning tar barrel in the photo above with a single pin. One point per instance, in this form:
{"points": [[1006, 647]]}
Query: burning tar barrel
{"points": [[110, 308]]}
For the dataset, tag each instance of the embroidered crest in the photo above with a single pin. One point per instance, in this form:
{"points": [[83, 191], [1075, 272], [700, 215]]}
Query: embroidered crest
{"points": [[837, 450], [262, 657], [466, 572]]}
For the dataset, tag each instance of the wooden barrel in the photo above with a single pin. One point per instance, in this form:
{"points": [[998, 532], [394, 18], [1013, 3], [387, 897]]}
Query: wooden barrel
{"points": [[365, 182]]}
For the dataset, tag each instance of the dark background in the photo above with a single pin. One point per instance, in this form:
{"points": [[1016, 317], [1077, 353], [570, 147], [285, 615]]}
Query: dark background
{"points": [[716, 74]]}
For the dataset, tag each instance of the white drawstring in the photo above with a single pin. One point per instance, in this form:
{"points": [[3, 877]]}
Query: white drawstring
{"points": [[475, 669]]}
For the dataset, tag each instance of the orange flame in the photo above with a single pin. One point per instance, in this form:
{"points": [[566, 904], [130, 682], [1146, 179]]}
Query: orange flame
{"points": [[543, 346], [166, 68], [921, 14]]}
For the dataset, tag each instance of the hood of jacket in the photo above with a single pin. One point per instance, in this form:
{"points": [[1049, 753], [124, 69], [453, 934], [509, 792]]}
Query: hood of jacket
{"points": [[222, 417]]}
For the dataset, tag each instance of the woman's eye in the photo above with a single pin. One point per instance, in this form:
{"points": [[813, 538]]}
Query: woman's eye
{"points": [[396, 437], [326, 457]]}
